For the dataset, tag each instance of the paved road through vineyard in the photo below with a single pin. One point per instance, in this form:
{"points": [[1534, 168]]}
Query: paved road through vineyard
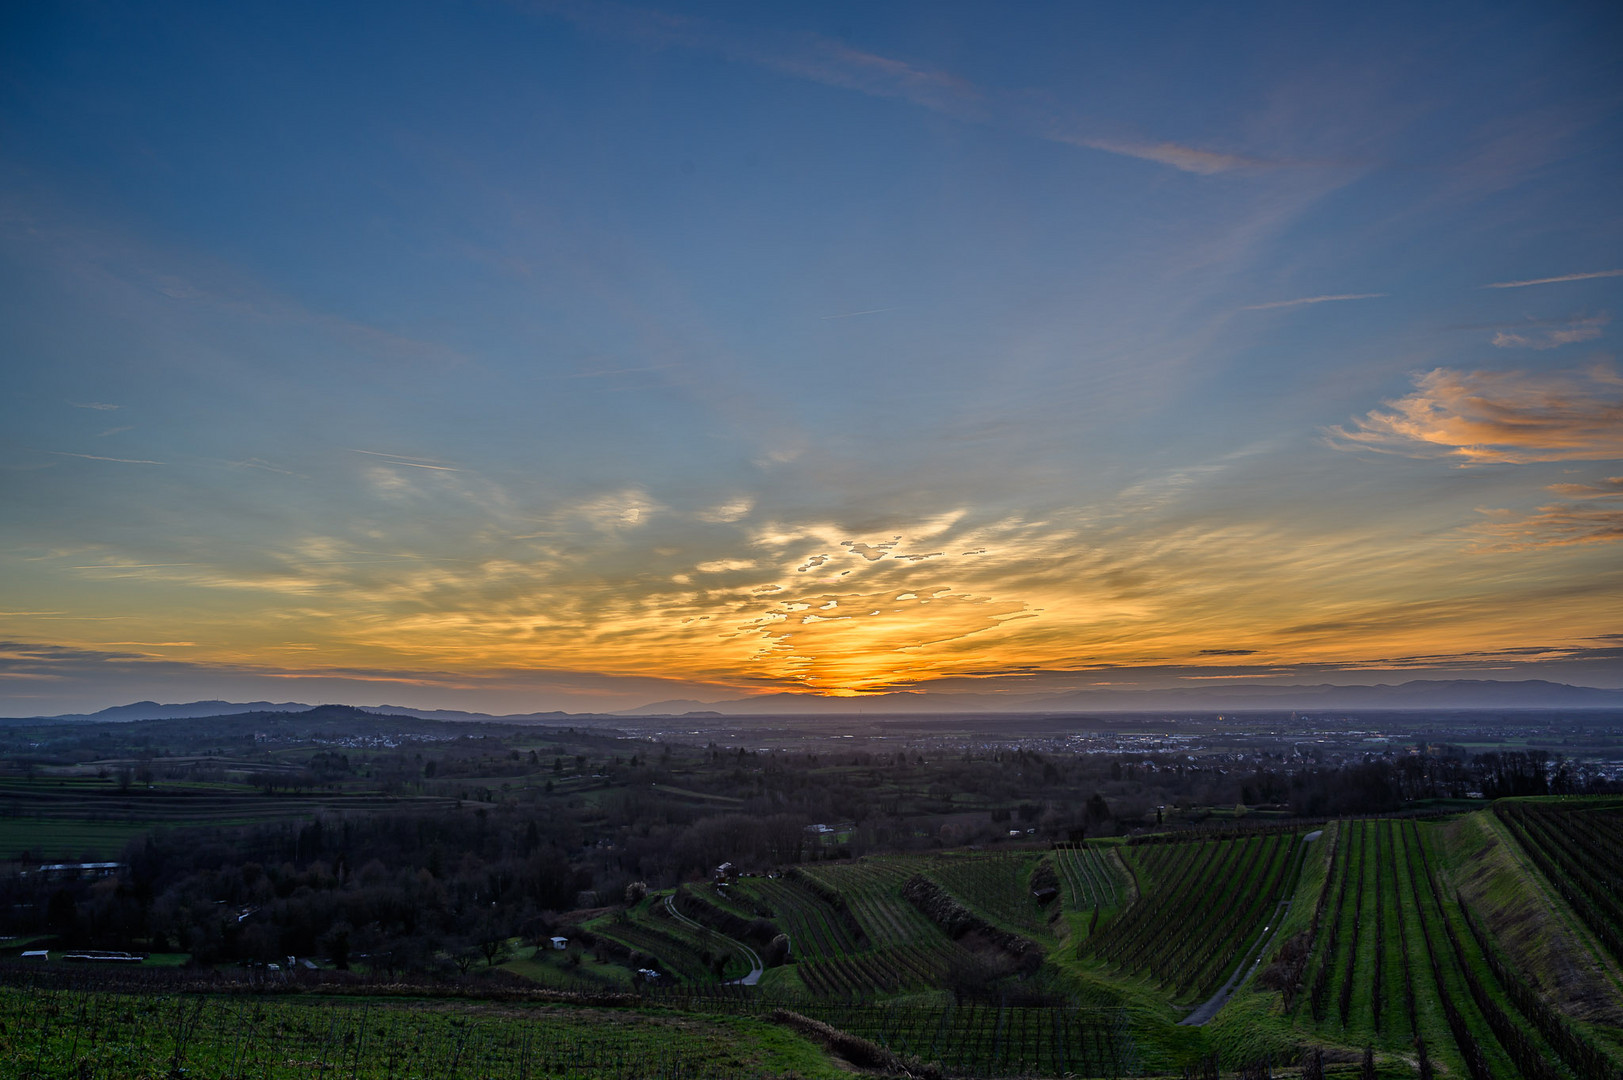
{"points": [[1248, 965], [756, 967]]}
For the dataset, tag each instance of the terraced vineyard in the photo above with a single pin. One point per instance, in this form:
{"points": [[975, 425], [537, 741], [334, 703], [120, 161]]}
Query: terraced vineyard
{"points": [[817, 928], [914, 953], [852, 935], [675, 948], [1176, 934], [997, 887]]}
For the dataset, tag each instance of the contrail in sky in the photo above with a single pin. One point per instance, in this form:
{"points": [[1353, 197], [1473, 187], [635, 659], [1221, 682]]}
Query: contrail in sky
{"points": [[854, 314], [1313, 300], [1554, 280], [395, 459]]}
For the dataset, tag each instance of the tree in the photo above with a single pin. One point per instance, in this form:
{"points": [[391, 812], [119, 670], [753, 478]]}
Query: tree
{"points": [[337, 946], [464, 958], [491, 938], [62, 913]]}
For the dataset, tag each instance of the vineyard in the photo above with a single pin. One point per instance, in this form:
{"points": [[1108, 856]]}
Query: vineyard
{"points": [[100, 1036], [991, 1039], [909, 952], [1175, 934], [1092, 877], [974, 1038], [1580, 851], [1369, 936], [1399, 962], [996, 887], [1376, 949], [680, 951], [818, 929]]}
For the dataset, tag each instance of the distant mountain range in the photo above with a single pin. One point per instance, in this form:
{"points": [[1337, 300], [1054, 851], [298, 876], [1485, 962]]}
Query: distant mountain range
{"points": [[1250, 696], [151, 710]]}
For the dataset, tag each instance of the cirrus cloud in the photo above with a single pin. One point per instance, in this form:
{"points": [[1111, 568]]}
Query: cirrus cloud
{"points": [[1569, 332]]}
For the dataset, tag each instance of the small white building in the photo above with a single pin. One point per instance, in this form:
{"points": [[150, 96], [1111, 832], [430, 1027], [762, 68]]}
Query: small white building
{"points": [[560, 943]]}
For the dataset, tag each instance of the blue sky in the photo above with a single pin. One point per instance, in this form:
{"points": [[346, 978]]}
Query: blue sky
{"points": [[577, 355]]}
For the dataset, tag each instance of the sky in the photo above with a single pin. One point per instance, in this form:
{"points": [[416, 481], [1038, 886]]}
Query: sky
{"points": [[575, 355]]}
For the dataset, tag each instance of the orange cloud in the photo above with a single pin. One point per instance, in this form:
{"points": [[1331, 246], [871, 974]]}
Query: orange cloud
{"points": [[1560, 525], [1612, 485], [1485, 417]]}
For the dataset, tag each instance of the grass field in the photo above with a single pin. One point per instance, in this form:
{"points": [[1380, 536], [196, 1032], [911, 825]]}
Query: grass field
{"points": [[66, 839], [65, 819]]}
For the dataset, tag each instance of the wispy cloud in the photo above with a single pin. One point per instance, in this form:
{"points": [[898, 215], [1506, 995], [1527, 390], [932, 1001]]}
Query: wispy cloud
{"points": [[1304, 300], [1485, 417], [1569, 332], [99, 405], [1610, 487], [256, 463], [819, 59], [599, 373], [724, 566], [1597, 519], [728, 512], [627, 509], [1184, 158], [1558, 525], [1554, 280]]}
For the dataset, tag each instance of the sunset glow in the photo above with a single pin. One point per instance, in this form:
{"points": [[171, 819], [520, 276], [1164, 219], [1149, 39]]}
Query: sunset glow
{"points": [[580, 356]]}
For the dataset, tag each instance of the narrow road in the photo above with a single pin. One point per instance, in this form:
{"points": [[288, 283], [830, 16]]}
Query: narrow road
{"points": [[756, 967], [1248, 965]]}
